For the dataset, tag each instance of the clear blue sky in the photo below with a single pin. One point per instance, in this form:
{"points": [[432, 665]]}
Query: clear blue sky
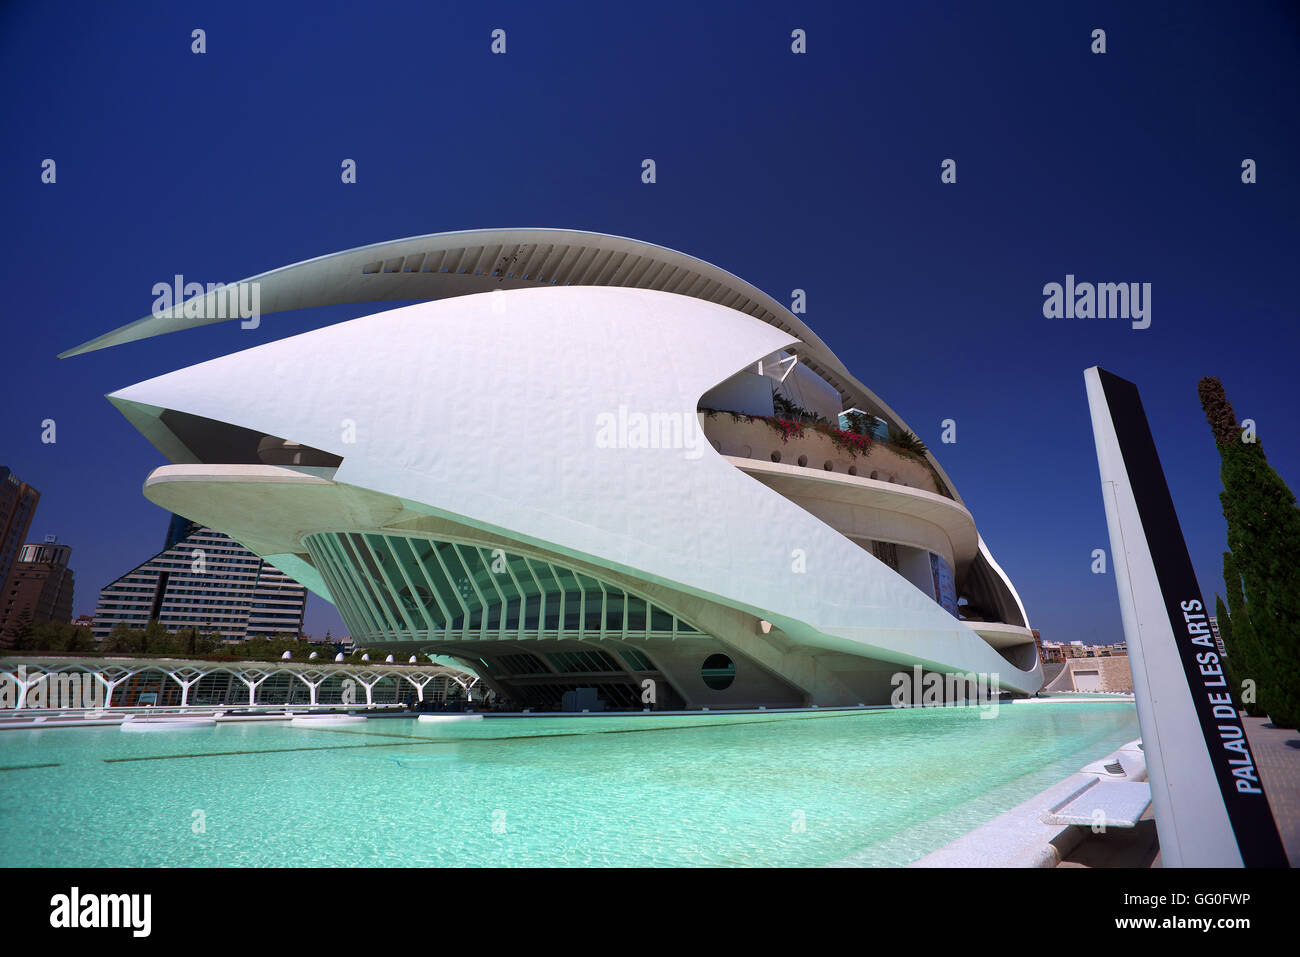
{"points": [[818, 171]]}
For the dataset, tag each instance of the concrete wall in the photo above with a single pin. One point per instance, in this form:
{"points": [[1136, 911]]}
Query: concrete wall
{"points": [[914, 565], [1112, 674], [806, 388], [746, 392]]}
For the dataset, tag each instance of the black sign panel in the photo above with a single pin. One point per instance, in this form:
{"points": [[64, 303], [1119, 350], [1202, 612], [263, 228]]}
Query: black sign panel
{"points": [[1221, 726]]}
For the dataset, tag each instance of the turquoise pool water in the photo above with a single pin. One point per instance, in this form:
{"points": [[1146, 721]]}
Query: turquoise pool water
{"points": [[870, 788]]}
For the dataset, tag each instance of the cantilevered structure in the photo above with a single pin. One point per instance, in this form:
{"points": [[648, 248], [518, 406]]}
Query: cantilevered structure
{"points": [[566, 471]]}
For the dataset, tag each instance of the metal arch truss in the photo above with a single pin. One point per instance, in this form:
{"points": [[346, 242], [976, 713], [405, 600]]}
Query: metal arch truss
{"points": [[789, 362], [19, 676]]}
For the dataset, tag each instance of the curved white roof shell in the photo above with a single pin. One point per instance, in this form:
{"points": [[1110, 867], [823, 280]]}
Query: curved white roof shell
{"points": [[458, 451], [517, 261], [443, 265]]}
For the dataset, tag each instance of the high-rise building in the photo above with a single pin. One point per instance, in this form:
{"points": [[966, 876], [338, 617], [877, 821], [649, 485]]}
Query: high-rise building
{"points": [[17, 506], [39, 587], [206, 581], [177, 528]]}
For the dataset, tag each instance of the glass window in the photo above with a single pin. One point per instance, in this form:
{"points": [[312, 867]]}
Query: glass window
{"points": [[635, 614], [614, 610], [660, 620], [718, 672]]}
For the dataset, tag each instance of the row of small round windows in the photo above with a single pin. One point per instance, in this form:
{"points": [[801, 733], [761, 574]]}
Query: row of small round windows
{"points": [[747, 452], [829, 466]]}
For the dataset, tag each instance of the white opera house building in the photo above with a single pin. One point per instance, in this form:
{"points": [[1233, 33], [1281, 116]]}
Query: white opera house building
{"points": [[581, 461]]}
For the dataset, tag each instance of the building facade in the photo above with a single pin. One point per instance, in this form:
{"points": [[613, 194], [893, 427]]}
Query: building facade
{"points": [[1106, 674], [1058, 651], [591, 462], [39, 588], [17, 507], [206, 581]]}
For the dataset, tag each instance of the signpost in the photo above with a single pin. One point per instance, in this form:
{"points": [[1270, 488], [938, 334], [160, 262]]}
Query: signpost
{"points": [[1210, 806]]}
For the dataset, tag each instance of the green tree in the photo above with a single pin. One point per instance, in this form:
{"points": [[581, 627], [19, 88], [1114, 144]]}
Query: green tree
{"points": [[22, 635], [77, 640], [123, 639], [59, 637], [1224, 619], [906, 441], [155, 639], [187, 641], [1264, 539], [257, 648], [1238, 640], [211, 644]]}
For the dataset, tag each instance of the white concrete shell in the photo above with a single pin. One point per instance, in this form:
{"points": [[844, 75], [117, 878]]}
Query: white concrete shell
{"points": [[468, 262], [478, 420]]}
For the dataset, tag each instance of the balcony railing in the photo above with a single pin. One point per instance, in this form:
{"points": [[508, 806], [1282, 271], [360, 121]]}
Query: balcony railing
{"points": [[817, 446]]}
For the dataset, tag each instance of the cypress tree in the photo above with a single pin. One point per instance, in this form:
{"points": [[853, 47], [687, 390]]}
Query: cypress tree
{"points": [[1239, 640], [1264, 539], [1231, 656], [121, 640], [1225, 621]]}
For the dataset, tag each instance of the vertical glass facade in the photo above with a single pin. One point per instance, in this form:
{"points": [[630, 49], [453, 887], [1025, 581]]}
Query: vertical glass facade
{"points": [[396, 588]]}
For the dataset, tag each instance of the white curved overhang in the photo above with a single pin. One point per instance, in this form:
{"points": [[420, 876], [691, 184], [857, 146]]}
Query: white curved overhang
{"points": [[271, 510], [796, 482], [999, 634], [517, 455], [466, 262], [987, 557]]}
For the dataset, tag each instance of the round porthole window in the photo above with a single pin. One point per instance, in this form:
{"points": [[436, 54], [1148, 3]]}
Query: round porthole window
{"points": [[718, 672]]}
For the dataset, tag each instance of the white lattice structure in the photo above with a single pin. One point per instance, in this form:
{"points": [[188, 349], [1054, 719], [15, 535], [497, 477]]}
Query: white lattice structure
{"points": [[120, 683]]}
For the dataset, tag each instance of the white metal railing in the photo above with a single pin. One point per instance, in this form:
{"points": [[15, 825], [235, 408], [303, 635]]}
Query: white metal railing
{"points": [[194, 709]]}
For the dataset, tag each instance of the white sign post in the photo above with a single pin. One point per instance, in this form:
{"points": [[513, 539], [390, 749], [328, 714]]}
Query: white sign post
{"points": [[1210, 806]]}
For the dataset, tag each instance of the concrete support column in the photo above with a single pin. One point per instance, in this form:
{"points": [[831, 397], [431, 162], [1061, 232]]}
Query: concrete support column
{"points": [[312, 686], [369, 686], [20, 689], [420, 684], [25, 684], [252, 687], [185, 685], [110, 686]]}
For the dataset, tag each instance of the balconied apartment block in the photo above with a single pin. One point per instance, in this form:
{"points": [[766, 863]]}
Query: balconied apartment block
{"points": [[206, 581]]}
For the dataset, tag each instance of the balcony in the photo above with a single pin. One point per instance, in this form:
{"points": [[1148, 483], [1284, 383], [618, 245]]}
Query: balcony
{"points": [[804, 445]]}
